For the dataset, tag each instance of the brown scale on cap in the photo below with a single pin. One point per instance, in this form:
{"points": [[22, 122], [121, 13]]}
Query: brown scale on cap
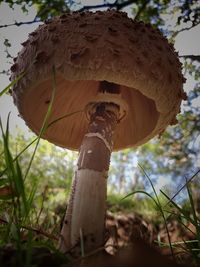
{"points": [[14, 67], [87, 48], [25, 43], [33, 33], [41, 57]]}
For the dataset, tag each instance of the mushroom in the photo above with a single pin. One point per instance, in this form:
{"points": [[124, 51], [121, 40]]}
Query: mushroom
{"points": [[124, 75]]}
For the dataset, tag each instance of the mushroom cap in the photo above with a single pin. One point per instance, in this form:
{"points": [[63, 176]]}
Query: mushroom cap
{"points": [[85, 49]]}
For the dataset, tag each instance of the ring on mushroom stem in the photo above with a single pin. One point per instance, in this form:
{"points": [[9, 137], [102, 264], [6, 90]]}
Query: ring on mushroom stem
{"points": [[107, 98]]}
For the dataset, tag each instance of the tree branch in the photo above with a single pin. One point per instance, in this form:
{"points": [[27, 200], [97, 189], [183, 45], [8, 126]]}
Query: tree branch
{"points": [[87, 7], [192, 57], [116, 5], [184, 29], [21, 23]]}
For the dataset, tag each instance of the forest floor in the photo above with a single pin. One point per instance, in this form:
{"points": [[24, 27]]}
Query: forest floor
{"points": [[131, 240], [131, 229]]}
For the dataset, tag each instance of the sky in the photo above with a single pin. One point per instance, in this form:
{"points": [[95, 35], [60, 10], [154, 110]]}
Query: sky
{"points": [[186, 43], [16, 35]]}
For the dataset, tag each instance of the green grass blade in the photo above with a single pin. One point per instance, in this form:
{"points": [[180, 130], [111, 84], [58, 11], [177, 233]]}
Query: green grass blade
{"points": [[159, 207], [8, 197], [7, 154], [11, 174], [181, 210], [30, 200], [179, 220], [29, 248], [82, 243], [21, 188], [192, 207], [4, 181], [140, 192], [35, 139], [188, 181], [63, 117], [5, 90], [21, 152], [44, 125], [196, 220], [152, 186]]}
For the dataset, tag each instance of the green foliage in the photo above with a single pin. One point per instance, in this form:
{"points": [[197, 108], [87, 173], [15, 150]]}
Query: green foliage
{"points": [[150, 11], [20, 199], [45, 9], [50, 8], [115, 204], [190, 12]]}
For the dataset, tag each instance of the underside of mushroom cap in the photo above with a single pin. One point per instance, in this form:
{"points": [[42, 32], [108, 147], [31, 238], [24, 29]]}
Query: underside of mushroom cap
{"points": [[85, 49]]}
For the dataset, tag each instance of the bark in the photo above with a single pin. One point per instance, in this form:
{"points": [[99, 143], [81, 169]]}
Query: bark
{"points": [[85, 217]]}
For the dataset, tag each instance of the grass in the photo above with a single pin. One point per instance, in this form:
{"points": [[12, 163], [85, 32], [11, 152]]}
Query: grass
{"points": [[115, 204], [192, 218], [171, 209], [17, 225], [21, 201]]}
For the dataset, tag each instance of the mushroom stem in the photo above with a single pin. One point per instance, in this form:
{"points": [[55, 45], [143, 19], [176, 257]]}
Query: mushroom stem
{"points": [[85, 217]]}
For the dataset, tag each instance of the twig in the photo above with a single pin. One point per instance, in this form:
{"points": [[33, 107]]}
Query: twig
{"points": [[184, 29], [116, 5], [193, 57], [38, 231], [94, 252], [21, 23]]}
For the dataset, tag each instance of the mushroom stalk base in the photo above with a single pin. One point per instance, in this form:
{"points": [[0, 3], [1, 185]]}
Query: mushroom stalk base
{"points": [[84, 223]]}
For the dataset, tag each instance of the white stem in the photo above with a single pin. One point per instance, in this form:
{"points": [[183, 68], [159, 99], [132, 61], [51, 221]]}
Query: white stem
{"points": [[87, 204]]}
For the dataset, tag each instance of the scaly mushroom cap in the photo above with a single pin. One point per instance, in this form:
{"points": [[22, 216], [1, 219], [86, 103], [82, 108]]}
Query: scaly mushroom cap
{"points": [[87, 48]]}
